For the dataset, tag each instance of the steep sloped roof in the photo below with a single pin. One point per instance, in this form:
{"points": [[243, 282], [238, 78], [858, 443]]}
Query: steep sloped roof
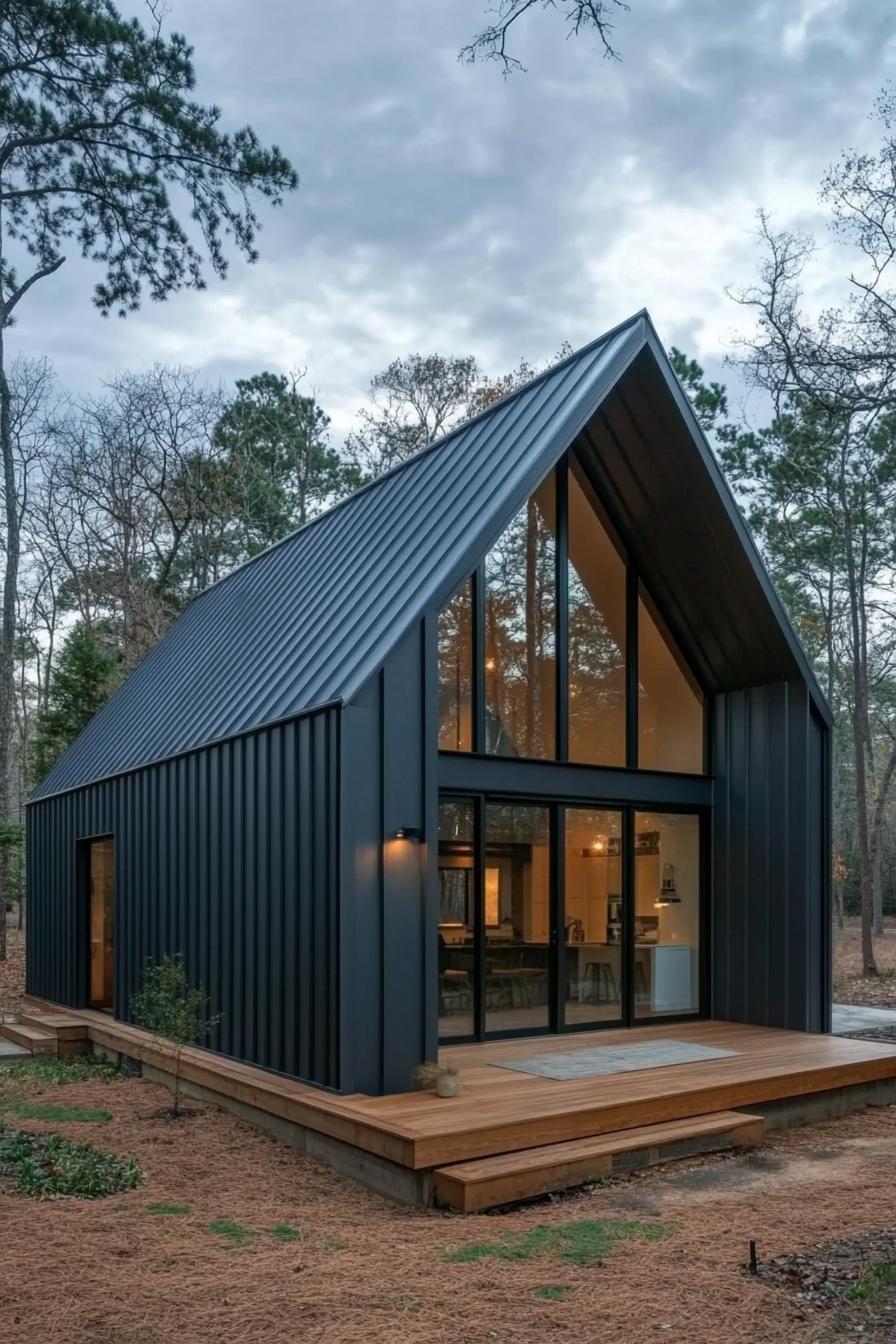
{"points": [[308, 621]]}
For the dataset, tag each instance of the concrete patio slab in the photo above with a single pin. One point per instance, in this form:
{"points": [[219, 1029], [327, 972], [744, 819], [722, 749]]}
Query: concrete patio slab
{"points": [[854, 1017]]}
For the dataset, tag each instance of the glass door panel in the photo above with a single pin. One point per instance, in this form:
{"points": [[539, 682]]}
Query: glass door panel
{"points": [[592, 923], [667, 913], [517, 914], [457, 917]]}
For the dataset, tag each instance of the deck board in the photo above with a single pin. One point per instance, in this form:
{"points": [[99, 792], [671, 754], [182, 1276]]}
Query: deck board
{"points": [[502, 1111]]}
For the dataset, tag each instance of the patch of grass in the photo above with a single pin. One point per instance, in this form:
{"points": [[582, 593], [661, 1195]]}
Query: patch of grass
{"points": [[869, 1287], [233, 1232], [47, 1071], [583, 1243], [553, 1292], [33, 1110], [334, 1244], [48, 1164], [283, 1232], [168, 1210]]}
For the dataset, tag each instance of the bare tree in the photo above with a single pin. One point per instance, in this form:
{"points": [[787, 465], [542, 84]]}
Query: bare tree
{"points": [[125, 494], [837, 375], [582, 16]]}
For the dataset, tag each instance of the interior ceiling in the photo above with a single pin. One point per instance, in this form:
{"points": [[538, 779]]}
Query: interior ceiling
{"points": [[640, 456]]}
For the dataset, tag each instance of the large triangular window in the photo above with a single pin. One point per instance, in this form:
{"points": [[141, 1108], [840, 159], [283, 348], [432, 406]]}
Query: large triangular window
{"points": [[576, 663]]}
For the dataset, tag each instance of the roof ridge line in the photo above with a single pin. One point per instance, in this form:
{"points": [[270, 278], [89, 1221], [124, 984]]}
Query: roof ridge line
{"points": [[422, 452]]}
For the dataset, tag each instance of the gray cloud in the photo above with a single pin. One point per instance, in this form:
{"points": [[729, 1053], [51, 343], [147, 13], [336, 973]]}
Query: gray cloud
{"points": [[442, 207]]}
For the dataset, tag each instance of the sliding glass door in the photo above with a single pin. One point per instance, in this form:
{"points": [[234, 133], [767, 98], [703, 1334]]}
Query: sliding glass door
{"points": [[667, 914], [593, 925], [556, 917]]}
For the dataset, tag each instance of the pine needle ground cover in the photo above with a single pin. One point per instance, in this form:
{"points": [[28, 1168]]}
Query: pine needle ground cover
{"points": [[234, 1238]]}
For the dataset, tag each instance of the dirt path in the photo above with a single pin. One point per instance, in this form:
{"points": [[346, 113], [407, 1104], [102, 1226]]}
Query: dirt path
{"points": [[190, 1257]]}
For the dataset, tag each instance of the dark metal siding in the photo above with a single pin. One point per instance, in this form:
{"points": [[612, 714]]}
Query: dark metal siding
{"points": [[389, 892], [229, 854], [771, 850]]}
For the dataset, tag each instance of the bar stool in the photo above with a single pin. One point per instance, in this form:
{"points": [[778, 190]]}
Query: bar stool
{"points": [[600, 978]]}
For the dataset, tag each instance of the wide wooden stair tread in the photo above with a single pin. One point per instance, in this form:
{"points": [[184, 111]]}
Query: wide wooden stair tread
{"points": [[32, 1038], [489, 1181], [61, 1025]]}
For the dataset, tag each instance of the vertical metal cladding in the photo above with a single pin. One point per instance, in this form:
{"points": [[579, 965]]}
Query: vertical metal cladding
{"points": [[229, 855], [770, 907], [389, 893]]}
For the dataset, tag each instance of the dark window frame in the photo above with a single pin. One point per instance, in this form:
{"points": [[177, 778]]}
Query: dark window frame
{"points": [[634, 589], [556, 952]]}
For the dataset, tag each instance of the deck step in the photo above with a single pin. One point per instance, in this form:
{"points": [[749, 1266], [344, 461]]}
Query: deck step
{"points": [[61, 1025], [489, 1181], [30, 1038]]}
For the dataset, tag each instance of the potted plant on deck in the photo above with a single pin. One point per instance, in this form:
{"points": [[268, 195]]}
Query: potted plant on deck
{"points": [[442, 1078]]}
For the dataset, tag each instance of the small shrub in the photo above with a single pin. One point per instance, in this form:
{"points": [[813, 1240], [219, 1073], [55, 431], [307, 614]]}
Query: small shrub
{"points": [[48, 1164], [869, 1287], [173, 1010]]}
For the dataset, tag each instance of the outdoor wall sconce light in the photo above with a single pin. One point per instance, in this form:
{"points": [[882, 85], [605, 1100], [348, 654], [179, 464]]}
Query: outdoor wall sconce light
{"points": [[407, 833]]}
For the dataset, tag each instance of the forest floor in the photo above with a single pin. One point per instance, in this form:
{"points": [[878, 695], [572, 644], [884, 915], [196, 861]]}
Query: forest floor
{"points": [[850, 985], [12, 970], [234, 1236]]}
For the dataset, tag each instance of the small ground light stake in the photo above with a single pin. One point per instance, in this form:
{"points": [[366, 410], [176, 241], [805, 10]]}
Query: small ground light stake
{"points": [[753, 1265]]}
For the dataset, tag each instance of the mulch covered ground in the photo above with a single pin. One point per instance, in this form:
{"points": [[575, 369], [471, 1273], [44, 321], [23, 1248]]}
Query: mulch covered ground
{"points": [[190, 1256], [850, 985], [12, 970]]}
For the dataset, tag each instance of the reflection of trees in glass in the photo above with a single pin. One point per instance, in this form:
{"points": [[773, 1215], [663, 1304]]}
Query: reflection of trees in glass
{"points": [[456, 820], [520, 638], [455, 641], [596, 682], [516, 823]]}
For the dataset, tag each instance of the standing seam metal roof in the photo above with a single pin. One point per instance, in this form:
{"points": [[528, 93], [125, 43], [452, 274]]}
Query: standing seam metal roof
{"points": [[310, 620]]}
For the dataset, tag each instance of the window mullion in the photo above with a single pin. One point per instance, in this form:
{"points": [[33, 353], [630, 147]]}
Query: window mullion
{"points": [[631, 666], [562, 613]]}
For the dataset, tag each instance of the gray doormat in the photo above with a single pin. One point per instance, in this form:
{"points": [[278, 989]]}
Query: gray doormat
{"points": [[605, 1059]]}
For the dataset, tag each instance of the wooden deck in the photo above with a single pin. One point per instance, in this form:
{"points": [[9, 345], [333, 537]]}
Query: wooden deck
{"points": [[500, 1111]]}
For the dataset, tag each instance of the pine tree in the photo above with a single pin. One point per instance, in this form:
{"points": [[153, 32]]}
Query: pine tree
{"points": [[86, 673]]}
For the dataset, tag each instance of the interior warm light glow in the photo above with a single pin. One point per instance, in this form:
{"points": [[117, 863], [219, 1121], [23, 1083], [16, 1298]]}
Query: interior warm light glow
{"points": [[492, 896]]}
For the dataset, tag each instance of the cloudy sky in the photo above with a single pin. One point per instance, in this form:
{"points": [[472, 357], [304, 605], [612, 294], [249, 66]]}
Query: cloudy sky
{"points": [[443, 207]]}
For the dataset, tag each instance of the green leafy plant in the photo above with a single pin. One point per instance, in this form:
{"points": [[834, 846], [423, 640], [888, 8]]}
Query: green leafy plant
{"points": [[869, 1287], [48, 1164], [37, 1073], [553, 1292], [174, 1011]]}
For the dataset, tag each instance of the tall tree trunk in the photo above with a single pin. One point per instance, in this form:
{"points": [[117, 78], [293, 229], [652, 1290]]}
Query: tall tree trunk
{"points": [[877, 921], [7, 622], [861, 749]]}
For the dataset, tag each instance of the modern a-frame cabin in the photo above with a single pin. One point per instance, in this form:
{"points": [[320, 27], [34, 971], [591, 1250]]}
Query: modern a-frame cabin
{"points": [[516, 740]]}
